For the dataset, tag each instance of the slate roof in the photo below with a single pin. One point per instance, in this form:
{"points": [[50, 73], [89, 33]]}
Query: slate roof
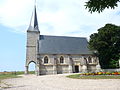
{"points": [[63, 45]]}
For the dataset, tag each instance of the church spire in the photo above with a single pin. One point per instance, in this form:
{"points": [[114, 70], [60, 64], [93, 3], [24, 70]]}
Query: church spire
{"points": [[34, 22]]}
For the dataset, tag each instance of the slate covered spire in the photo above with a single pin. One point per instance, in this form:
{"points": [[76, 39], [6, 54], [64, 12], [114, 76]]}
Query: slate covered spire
{"points": [[35, 19], [34, 22]]}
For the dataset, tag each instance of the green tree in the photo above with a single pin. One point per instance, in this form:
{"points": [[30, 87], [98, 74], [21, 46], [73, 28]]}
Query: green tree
{"points": [[100, 5], [107, 43]]}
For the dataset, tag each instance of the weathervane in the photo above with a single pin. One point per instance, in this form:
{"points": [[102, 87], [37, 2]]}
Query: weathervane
{"points": [[35, 3]]}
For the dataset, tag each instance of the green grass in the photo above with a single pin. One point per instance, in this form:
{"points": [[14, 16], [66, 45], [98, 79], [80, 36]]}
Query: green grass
{"points": [[77, 76], [32, 72], [6, 75]]}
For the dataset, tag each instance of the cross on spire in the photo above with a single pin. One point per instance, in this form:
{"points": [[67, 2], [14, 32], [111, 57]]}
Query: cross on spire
{"points": [[34, 22]]}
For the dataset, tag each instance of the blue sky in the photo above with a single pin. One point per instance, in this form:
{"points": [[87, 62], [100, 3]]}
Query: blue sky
{"points": [[55, 17], [12, 50]]}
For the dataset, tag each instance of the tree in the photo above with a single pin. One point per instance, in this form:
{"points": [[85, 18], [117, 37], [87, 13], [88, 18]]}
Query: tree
{"points": [[107, 43], [100, 5]]}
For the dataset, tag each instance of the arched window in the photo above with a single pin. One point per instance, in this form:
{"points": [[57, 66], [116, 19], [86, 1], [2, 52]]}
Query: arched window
{"points": [[85, 61], [95, 60], [61, 59], [89, 60], [45, 59]]}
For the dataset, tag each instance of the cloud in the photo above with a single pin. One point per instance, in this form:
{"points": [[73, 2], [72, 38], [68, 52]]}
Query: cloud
{"points": [[56, 17]]}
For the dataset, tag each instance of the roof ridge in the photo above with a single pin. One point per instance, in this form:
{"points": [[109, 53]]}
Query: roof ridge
{"points": [[62, 36]]}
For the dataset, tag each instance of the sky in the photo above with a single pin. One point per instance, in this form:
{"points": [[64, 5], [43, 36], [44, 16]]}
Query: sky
{"points": [[55, 17]]}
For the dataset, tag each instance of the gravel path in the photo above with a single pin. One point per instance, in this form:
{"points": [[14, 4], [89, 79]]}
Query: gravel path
{"points": [[60, 82]]}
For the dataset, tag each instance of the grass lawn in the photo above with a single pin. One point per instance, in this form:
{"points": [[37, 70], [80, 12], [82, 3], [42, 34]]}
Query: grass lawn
{"points": [[77, 76], [5, 75]]}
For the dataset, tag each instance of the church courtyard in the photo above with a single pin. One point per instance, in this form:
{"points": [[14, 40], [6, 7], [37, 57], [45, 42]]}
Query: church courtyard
{"points": [[60, 82]]}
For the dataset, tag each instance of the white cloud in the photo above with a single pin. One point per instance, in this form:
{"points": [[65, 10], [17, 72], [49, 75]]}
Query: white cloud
{"points": [[56, 17]]}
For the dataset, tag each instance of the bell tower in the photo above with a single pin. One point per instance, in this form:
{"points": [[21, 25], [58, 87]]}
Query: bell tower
{"points": [[33, 34]]}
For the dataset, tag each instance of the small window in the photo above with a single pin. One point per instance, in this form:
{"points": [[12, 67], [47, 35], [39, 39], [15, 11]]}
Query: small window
{"points": [[61, 59], [45, 59], [95, 60], [89, 60]]}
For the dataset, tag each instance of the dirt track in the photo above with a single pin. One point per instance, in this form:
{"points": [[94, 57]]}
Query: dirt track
{"points": [[60, 82]]}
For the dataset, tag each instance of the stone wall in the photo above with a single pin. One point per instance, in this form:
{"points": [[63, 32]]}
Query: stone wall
{"points": [[32, 49], [70, 61], [46, 69], [32, 46]]}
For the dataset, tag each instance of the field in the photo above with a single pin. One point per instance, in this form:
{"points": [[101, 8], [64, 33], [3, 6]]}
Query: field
{"points": [[5, 75]]}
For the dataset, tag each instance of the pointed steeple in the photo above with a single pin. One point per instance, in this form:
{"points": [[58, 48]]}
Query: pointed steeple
{"points": [[34, 22]]}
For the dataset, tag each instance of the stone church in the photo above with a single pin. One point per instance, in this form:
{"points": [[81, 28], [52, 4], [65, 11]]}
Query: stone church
{"points": [[57, 54]]}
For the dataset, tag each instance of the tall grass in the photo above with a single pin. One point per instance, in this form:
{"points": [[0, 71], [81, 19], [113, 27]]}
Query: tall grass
{"points": [[5, 75]]}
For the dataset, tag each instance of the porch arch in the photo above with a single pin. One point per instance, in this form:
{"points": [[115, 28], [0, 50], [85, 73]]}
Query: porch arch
{"points": [[31, 66]]}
